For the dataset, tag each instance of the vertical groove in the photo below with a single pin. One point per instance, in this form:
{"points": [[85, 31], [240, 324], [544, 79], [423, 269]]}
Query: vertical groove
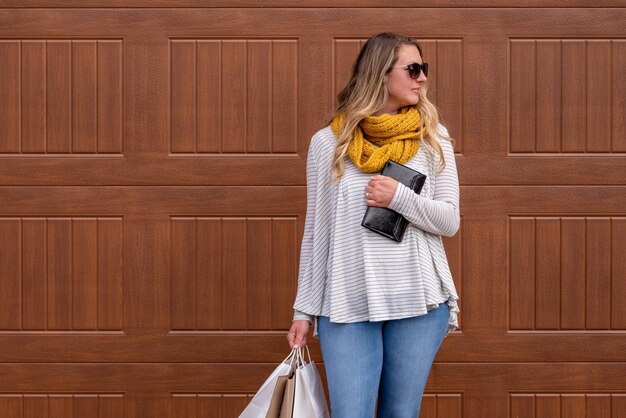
{"points": [[123, 225], [509, 402], [561, 296], [535, 275], [195, 270], [436, 66], [535, 116], [333, 72], [610, 273], [171, 234], [45, 101], [169, 108], [45, 254], [97, 140], [195, 101], [585, 280], [221, 260], [121, 89], [561, 97], [97, 274], [245, 99], [71, 252], [271, 258], [245, 265], [611, 96], [19, 96], [221, 78], [508, 262], [586, 86], [21, 271], [71, 110], [271, 102], [463, 75]]}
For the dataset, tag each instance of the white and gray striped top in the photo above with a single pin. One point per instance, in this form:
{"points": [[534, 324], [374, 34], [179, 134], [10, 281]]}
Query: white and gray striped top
{"points": [[352, 274]]}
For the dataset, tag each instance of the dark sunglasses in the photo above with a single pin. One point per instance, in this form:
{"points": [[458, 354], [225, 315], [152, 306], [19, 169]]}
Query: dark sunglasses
{"points": [[415, 69]]}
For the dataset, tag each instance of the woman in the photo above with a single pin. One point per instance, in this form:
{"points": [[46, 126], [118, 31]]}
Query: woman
{"points": [[381, 308]]}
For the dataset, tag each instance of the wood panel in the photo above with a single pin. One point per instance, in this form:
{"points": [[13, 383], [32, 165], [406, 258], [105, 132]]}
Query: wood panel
{"points": [[306, 3], [562, 94], [234, 96], [561, 276], [63, 96], [153, 191], [238, 269], [57, 405], [61, 274], [587, 405], [207, 405], [434, 405]]}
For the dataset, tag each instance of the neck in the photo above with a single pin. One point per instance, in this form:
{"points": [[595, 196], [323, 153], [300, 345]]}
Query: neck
{"points": [[387, 111]]}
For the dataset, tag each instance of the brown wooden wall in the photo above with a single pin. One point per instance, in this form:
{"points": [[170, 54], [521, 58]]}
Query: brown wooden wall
{"points": [[152, 199]]}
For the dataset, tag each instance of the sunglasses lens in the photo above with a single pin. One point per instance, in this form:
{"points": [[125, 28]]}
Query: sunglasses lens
{"points": [[416, 69]]}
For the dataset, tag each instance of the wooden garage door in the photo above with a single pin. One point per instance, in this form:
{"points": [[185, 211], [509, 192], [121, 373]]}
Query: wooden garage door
{"points": [[152, 189]]}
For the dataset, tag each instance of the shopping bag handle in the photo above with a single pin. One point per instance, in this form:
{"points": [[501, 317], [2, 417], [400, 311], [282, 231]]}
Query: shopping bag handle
{"points": [[296, 358]]}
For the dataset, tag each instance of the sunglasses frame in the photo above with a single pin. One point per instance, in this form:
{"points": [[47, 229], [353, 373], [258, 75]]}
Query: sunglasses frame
{"points": [[423, 67], [414, 73]]}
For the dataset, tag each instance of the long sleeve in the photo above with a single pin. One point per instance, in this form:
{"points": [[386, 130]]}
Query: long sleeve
{"points": [[315, 239], [297, 315], [440, 215]]}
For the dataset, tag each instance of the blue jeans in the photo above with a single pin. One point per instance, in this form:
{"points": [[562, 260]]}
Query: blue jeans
{"points": [[388, 359]]}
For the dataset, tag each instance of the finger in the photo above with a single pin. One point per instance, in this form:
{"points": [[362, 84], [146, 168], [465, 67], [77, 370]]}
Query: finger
{"points": [[297, 343], [377, 177]]}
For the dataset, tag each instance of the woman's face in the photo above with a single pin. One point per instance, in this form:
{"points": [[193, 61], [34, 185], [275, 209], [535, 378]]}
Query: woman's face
{"points": [[403, 90]]}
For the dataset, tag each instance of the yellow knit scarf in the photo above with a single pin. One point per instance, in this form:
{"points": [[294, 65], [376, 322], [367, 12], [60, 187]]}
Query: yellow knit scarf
{"points": [[378, 139]]}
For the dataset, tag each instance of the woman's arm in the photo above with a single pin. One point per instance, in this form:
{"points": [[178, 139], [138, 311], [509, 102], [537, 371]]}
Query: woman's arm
{"points": [[441, 214], [306, 249]]}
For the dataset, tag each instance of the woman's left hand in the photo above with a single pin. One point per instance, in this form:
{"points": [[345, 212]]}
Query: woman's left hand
{"points": [[380, 190]]}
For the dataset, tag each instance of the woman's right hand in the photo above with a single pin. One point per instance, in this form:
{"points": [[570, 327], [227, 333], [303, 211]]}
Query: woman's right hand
{"points": [[297, 333]]}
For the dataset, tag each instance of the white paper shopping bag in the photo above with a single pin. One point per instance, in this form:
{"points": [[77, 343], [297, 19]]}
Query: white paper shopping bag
{"points": [[310, 401], [259, 405]]}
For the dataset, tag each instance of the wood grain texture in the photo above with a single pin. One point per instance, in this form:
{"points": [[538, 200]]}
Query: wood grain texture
{"points": [[57, 405], [61, 273], [234, 95], [561, 93], [153, 193], [64, 96], [307, 4], [561, 272]]}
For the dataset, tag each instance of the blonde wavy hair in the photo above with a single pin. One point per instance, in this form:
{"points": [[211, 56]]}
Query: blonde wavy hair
{"points": [[365, 94]]}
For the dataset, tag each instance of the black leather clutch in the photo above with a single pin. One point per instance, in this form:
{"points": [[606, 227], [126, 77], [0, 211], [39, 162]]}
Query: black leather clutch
{"points": [[385, 221]]}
